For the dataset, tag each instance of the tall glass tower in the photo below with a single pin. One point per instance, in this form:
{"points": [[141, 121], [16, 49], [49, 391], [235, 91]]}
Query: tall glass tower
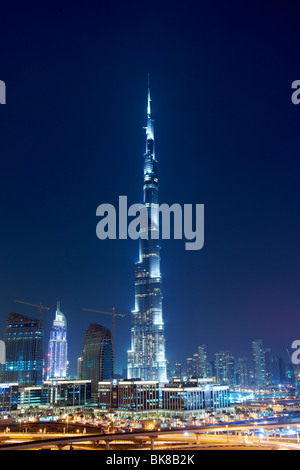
{"points": [[258, 362], [146, 359], [24, 340], [58, 347], [97, 357]]}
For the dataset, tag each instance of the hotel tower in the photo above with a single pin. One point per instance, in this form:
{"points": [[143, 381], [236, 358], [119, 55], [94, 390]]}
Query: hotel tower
{"points": [[58, 347]]}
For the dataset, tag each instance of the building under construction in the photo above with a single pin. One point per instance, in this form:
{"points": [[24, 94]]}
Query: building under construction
{"points": [[97, 357]]}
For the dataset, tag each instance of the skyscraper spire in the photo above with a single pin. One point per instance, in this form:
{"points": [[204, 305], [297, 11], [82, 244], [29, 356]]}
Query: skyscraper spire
{"points": [[146, 359], [149, 99], [150, 124]]}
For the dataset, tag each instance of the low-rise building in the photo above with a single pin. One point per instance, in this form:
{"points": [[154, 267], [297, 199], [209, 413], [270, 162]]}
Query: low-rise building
{"points": [[9, 396], [193, 398], [67, 392], [190, 398], [51, 393], [129, 395]]}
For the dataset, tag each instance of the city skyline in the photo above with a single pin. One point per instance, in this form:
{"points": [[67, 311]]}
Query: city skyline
{"points": [[262, 364], [227, 135]]}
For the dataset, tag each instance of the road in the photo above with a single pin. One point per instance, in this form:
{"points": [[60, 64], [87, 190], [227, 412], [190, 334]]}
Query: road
{"points": [[235, 435]]}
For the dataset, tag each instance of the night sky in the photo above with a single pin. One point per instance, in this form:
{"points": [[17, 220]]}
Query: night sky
{"points": [[227, 136]]}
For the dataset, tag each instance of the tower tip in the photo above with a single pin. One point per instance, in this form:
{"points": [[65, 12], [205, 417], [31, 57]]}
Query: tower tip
{"points": [[149, 98]]}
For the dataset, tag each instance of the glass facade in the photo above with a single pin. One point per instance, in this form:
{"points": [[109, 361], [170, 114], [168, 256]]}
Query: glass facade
{"points": [[146, 359], [190, 397], [24, 340], [225, 368], [30, 396], [127, 395], [57, 393], [67, 392], [175, 398], [259, 363], [9, 393], [97, 355]]}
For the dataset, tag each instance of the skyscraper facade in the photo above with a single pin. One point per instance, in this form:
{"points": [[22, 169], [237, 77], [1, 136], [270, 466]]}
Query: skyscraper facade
{"points": [[225, 367], [259, 363], [58, 347], [242, 372], [278, 370], [97, 355], [146, 359], [204, 366], [178, 369], [24, 340]]}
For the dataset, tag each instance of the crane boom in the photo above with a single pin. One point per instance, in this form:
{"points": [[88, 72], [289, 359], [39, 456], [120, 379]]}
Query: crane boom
{"points": [[40, 306], [107, 313]]}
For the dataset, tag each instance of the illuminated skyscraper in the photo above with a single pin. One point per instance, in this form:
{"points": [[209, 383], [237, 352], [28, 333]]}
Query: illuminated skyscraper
{"points": [[146, 359], [24, 340], [178, 369], [204, 366], [243, 375], [58, 347], [259, 362], [225, 368]]}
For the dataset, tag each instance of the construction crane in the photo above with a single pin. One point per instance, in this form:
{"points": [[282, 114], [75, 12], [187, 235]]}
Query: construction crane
{"points": [[113, 314], [41, 307]]}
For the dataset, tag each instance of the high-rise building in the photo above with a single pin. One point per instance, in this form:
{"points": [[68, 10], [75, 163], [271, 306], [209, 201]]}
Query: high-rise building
{"points": [[278, 370], [24, 340], [146, 359], [178, 369], [196, 362], [258, 363], [97, 355], [79, 367], [204, 366], [190, 367], [58, 347], [268, 366], [242, 372], [225, 368]]}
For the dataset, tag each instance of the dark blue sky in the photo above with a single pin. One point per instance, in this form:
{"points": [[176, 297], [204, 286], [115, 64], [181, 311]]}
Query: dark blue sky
{"points": [[227, 136]]}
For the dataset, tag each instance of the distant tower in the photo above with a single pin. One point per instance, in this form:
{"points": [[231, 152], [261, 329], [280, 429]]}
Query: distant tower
{"points": [[203, 365], [225, 368], [58, 347], [178, 369], [146, 359], [243, 376], [259, 363]]}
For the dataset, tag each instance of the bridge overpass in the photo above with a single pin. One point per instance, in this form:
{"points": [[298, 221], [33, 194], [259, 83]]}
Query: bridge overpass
{"points": [[151, 436]]}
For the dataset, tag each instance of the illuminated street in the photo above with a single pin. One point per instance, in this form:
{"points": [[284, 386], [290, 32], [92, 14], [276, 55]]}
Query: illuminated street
{"points": [[262, 435]]}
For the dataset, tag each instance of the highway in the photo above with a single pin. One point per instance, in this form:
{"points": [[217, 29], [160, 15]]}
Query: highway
{"points": [[247, 434]]}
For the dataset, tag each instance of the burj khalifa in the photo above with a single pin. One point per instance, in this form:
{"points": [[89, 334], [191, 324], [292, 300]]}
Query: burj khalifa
{"points": [[146, 359]]}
